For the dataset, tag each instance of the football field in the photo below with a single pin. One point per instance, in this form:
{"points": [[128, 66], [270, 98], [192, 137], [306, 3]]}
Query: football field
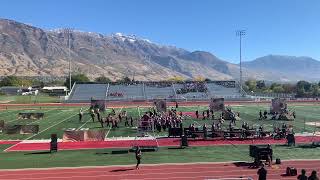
{"points": [[59, 118]]}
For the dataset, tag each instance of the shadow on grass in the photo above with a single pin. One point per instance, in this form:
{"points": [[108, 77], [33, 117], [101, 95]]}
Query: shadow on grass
{"points": [[282, 145], [42, 152], [177, 148], [307, 146], [102, 153], [122, 170]]}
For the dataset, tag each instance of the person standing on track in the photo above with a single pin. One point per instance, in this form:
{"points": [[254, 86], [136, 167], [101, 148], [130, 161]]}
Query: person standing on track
{"points": [[138, 156], [313, 176], [303, 175], [262, 172]]}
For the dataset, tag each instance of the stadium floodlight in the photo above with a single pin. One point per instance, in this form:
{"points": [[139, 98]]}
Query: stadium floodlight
{"points": [[67, 33], [241, 33]]}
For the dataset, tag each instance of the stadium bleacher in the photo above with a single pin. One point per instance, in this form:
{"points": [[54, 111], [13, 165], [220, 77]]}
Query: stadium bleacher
{"points": [[129, 92], [159, 92], [215, 90], [145, 91], [84, 92]]}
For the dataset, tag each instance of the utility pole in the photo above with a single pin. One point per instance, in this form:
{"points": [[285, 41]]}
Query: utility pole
{"points": [[68, 31], [241, 33]]}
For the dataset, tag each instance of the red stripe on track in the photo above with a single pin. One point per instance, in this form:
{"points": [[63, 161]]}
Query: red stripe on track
{"points": [[186, 171], [9, 142]]}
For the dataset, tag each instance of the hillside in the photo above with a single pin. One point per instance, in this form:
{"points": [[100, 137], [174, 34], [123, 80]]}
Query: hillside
{"points": [[30, 51], [290, 67]]}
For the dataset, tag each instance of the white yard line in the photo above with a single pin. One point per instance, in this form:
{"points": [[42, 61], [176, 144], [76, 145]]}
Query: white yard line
{"points": [[20, 119], [51, 126], [107, 133], [83, 125], [42, 119], [40, 132]]}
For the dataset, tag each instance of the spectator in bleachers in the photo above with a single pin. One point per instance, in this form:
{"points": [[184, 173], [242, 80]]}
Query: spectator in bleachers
{"points": [[192, 87]]}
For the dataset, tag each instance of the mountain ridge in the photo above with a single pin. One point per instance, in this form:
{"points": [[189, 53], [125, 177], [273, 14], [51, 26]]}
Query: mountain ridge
{"points": [[26, 50]]}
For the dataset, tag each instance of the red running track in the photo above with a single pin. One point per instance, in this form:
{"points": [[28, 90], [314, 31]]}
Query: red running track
{"points": [[190, 171], [162, 142], [9, 142]]}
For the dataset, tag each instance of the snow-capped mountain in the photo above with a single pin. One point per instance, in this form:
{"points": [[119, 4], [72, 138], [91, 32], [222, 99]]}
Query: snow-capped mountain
{"points": [[30, 51]]}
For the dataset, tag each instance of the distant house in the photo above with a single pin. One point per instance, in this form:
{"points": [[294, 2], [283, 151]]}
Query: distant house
{"points": [[55, 90]]}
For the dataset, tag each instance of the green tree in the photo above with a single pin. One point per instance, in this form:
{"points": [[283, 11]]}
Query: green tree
{"points": [[289, 88], [261, 85], [315, 90], [278, 89], [76, 78], [303, 88], [10, 81], [102, 79], [252, 85], [126, 79], [207, 80]]}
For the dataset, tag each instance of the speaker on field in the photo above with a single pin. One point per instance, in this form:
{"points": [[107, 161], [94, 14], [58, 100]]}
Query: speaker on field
{"points": [[184, 141]]}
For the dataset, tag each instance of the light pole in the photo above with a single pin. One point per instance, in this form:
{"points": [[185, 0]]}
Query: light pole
{"points": [[241, 33], [68, 31]]}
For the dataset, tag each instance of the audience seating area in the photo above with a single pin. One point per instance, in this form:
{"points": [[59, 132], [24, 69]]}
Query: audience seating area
{"points": [[84, 92], [145, 91]]}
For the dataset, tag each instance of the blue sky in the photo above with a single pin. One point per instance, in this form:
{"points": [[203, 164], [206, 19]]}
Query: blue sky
{"points": [[285, 27]]}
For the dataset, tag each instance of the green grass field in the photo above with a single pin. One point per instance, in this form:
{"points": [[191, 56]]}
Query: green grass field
{"points": [[42, 98], [57, 119], [99, 157]]}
